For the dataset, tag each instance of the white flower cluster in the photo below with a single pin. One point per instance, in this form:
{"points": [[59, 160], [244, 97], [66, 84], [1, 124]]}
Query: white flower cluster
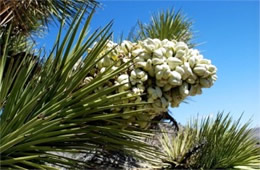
{"points": [[165, 71]]}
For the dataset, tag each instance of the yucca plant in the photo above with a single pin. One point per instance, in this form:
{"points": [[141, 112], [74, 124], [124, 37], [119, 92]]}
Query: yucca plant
{"points": [[29, 15], [177, 147], [212, 144], [30, 18], [49, 110], [168, 24]]}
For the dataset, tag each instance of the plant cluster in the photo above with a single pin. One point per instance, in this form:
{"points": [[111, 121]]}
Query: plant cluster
{"points": [[218, 143], [90, 96], [47, 110], [162, 73], [28, 16]]}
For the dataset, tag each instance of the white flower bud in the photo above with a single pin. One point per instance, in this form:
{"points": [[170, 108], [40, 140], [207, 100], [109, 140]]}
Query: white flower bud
{"points": [[137, 52], [130, 95], [181, 46], [145, 56], [126, 86], [126, 45], [184, 89], [175, 75], [158, 68], [113, 68], [165, 67], [77, 64], [88, 79], [181, 55], [174, 82], [193, 76], [148, 65], [173, 62], [169, 53], [140, 65], [214, 77], [149, 45], [168, 44], [136, 90], [158, 53], [187, 71], [157, 61], [144, 78], [150, 69], [159, 75], [192, 61], [194, 52], [212, 69], [139, 73], [124, 78], [157, 43], [138, 76], [125, 60], [133, 74], [200, 71], [102, 70], [138, 59], [111, 44], [204, 61], [202, 65], [165, 42], [166, 74], [206, 74], [180, 70]]}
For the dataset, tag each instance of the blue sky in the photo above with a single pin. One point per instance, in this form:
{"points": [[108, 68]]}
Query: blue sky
{"points": [[229, 33]]}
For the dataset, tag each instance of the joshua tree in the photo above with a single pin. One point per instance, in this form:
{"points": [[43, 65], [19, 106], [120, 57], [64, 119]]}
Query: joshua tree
{"points": [[49, 111], [27, 16], [211, 144], [88, 96], [169, 24]]}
